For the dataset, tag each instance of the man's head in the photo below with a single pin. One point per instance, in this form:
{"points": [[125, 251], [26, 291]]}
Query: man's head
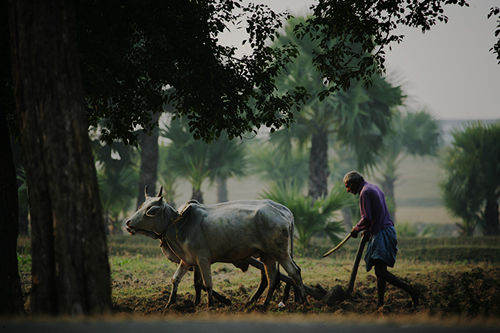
{"points": [[353, 181]]}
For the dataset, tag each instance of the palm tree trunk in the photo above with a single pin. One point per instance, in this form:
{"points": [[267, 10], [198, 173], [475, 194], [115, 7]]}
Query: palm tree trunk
{"points": [[149, 162], [197, 195], [318, 165], [492, 225], [221, 189], [388, 189]]}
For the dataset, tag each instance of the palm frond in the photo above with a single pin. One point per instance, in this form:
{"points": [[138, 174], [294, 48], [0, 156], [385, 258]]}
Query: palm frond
{"points": [[311, 219]]}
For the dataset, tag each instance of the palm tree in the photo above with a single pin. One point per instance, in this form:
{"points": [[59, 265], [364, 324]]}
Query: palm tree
{"points": [[471, 188], [197, 161], [186, 156], [357, 118], [279, 162], [227, 158], [412, 134], [117, 176], [312, 218], [148, 147], [166, 177]]}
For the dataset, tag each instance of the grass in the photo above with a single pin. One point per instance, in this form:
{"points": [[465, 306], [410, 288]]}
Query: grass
{"points": [[132, 258], [456, 276]]}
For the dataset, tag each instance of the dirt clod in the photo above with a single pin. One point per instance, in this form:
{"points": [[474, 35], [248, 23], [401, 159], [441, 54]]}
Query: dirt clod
{"points": [[335, 296]]}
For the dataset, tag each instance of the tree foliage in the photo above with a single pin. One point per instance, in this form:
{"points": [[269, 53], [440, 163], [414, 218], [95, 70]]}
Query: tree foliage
{"points": [[471, 188], [362, 31], [495, 13], [117, 176], [280, 164], [134, 52], [197, 160], [357, 117], [412, 133], [312, 218]]}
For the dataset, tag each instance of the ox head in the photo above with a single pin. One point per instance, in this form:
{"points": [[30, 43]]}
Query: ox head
{"points": [[151, 217]]}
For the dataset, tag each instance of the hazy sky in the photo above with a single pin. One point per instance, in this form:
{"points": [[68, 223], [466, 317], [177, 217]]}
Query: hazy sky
{"points": [[449, 70]]}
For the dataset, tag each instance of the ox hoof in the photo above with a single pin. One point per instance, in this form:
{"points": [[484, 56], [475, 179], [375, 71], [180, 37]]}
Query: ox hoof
{"points": [[249, 304], [225, 301], [261, 307], [169, 305]]}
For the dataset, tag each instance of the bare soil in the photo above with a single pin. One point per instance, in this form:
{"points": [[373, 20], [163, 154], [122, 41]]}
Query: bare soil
{"points": [[471, 294]]}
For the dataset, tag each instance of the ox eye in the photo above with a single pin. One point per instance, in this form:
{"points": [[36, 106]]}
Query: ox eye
{"points": [[153, 211]]}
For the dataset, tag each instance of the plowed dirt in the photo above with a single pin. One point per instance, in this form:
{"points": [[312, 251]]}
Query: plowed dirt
{"points": [[473, 293]]}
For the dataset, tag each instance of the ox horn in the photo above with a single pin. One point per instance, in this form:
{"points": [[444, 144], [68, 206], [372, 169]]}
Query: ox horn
{"points": [[161, 190], [146, 191]]}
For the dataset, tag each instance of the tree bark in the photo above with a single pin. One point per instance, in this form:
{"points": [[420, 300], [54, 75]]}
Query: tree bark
{"points": [[197, 195], [22, 196], [11, 300], [149, 162], [222, 194], [70, 269], [491, 217], [318, 165]]}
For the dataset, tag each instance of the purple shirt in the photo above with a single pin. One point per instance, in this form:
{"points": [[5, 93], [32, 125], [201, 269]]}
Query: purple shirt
{"points": [[374, 213]]}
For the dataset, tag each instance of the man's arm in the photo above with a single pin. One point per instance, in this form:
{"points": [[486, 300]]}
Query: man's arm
{"points": [[365, 212]]}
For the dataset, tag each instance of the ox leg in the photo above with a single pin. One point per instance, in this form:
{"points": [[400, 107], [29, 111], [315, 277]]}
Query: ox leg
{"points": [[198, 285], [272, 274], [262, 286], [204, 266], [294, 272], [263, 283], [176, 279], [289, 283], [263, 280], [286, 293]]}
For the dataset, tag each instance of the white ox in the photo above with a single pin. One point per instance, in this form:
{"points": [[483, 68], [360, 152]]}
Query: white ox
{"points": [[228, 232]]}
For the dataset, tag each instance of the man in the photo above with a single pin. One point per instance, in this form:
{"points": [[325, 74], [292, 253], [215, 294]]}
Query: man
{"points": [[382, 242]]}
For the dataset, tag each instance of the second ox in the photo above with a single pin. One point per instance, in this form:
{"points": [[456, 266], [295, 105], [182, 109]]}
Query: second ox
{"points": [[227, 232]]}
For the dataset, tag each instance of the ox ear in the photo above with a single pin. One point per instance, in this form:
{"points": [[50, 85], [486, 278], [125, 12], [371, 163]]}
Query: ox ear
{"points": [[153, 210], [160, 193], [145, 191]]}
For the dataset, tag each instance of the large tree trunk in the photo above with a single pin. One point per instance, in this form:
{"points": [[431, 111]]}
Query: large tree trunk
{"points": [[149, 162], [492, 223], [70, 269], [23, 195], [318, 165], [11, 300], [222, 194]]}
